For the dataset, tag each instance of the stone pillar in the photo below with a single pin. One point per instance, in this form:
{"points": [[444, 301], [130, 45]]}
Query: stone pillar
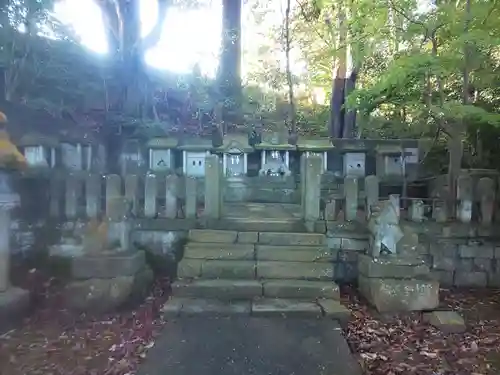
{"points": [[372, 193], [92, 195], [395, 199], [464, 198], [313, 168], [191, 198], [351, 198], [417, 209], [171, 196], [331, 210], [303, 160], [213, 194], [113, 193], [4, 249], [486, 193], [132, 192], [71, 196], [55, 197], [150, 193]]}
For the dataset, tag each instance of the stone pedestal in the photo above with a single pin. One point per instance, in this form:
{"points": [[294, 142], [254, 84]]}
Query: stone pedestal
{"points": [[393, 283], [14, 302], [104, 282]]}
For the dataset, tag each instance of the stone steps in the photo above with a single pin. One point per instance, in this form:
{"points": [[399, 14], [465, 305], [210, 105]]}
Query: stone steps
{"points": [[237, 289], [262, 238], [261, 273], [259, 307]]}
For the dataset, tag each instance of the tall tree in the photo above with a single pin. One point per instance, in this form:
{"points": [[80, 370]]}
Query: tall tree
{"points": [[127, 48], [229, 74]]}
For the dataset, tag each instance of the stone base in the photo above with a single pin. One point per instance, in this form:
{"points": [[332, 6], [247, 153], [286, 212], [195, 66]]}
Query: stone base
{"points": [[14, 304], [101, 295], [393, 295]]}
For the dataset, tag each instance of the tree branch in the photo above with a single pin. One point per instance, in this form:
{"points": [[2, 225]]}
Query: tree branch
{"points": [[154, 36]]}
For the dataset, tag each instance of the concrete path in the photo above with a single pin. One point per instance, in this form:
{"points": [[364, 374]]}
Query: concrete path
{"points": [[250, 346]]}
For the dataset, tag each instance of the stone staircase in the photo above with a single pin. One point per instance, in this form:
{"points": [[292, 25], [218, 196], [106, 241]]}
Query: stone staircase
{"points": [[256, 273]]}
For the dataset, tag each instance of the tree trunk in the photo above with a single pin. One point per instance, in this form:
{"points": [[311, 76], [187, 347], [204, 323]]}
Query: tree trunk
{"points": [[229, 75], [292, 115], [336, 124]]}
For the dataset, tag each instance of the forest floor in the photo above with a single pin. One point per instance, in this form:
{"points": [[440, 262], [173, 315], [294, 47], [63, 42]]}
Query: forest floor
{"points": [[54, 341]]}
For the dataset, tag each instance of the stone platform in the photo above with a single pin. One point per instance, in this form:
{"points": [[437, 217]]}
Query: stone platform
{"points": [[14, 304]]}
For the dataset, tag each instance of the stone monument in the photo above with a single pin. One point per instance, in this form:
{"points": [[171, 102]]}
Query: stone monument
{"points": [[107, 275], [14, 301], [393, 276]]}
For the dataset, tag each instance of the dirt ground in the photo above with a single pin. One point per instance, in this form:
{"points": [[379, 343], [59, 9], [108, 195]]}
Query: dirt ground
{"points": [[53, 341]]}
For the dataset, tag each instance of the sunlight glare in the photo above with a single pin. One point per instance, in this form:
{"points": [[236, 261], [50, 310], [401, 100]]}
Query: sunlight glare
{"points": [[181, 46]]}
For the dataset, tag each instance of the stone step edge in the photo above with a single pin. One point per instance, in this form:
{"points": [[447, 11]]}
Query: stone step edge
{"points": [[253, 288], [257, 307]]}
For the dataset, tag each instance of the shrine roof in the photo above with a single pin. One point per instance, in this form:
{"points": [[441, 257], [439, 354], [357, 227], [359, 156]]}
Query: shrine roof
{"points": [[195, 144], [235, 141], [314, 144], [163, 142]]}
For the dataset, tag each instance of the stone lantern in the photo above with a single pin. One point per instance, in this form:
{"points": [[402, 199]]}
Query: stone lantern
{"points": [[13, 300]]}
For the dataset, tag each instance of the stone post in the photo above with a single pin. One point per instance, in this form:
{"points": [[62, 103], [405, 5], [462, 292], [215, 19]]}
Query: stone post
{"points": [[395, 199], [486, 194], [113, 192], [417, 210], [150, 193], [213, 193], [464, 198], [351, 198], [71, 196], [132, 192], [4, 249], [55, 197], [303, 178], [92, 195], [372, 193], [191, 198], [313, 172], [171, 196]]}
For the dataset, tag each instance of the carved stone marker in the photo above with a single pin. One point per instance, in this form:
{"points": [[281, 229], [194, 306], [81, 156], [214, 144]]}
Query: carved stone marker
{"points": [[417, 211], [486, 193], [393, 277], [464, 198]]}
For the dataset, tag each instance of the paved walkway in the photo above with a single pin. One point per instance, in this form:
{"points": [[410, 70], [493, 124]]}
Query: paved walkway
{"points": [[250, 346]]}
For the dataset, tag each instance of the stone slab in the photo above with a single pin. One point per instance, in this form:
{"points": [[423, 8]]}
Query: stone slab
{"points": [[172, 307], [333, 309], [233, 251], [470, 279], [278, 307], [248, 237], [107, 266], [189, 268], [294, 270], [354, 244], [249, 345], [446, 321], [218, 288], [394, 295], [301, 289], [393, 267], [210, 235], [202, 306], [228, 269], [295, 253], [476, 251], [14, 305], [294, 239]]}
